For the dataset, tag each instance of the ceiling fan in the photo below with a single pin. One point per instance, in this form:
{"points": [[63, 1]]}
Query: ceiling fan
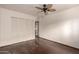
{"points": [[46, 8]]}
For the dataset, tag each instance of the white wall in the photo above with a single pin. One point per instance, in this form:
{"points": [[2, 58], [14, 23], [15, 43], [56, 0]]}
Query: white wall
{"points": [[62, 27], [15, 27]]}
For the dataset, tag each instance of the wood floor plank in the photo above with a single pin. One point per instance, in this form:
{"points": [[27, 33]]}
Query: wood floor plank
{"points": [[45, 47]]}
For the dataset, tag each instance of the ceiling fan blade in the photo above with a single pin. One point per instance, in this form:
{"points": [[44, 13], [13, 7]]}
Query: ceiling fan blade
{"points": [[51, 10], [39, 8], [49, 6]]}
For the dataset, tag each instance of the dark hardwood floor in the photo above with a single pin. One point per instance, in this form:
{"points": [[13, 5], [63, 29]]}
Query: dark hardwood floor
{"points": [[45, 47]]}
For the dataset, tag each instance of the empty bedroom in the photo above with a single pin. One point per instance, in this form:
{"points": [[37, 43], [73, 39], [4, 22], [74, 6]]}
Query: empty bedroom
{"points": [[39, 28]]}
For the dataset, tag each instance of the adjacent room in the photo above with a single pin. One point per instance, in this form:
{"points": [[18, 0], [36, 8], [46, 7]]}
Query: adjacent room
{"points": [[39, 28]]}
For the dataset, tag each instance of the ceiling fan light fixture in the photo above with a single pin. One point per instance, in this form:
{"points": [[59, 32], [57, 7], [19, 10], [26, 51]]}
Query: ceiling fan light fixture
{"points": [[46, 8]]}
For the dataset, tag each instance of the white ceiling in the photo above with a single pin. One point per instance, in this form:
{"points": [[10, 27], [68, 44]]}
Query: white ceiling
{"points": [[31, 10]]}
